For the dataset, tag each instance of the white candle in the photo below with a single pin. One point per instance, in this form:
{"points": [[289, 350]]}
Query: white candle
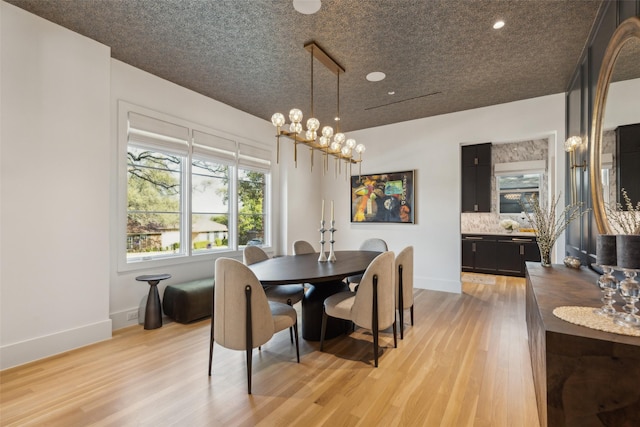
{"points": [[332, 210], [322, 209]]}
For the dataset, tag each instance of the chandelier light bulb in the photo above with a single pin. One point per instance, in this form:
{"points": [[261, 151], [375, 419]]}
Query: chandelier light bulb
{"points": [[351, 143], [313, 124], [277, 119], [360, 148], [346, 151], [339, 138], [295, 115], [327, 131], [295, 127], [334, 146], [324, 141], [311, 135]]}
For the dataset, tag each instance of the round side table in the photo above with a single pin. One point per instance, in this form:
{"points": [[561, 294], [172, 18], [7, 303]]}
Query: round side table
{"points": [[153, 310]]}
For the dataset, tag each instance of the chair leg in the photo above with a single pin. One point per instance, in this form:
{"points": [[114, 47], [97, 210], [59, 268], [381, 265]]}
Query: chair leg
{"points": [[400, 298], [211, 339], [323, 329], [290, 329], [248, 335], [211, 349], [395, 335], [374, 322], [411, 315], [249, 355], [295, 328]]}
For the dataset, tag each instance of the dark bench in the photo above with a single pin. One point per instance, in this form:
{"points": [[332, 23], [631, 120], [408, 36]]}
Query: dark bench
{"points": [[189, 301]]}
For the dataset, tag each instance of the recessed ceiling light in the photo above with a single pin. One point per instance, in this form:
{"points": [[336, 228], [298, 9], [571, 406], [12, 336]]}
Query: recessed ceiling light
{"points": [[498, 25], [307, 7], [391, 92], [376, 76]]}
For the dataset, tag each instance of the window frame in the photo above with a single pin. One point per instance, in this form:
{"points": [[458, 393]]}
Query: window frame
{"points": [[233, 143]]}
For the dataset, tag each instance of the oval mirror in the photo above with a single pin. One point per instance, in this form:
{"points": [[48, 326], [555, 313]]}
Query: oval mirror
{"points": [[621, 64]]}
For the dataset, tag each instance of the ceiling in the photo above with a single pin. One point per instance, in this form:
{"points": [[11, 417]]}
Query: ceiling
{"points": [[439, 56]]}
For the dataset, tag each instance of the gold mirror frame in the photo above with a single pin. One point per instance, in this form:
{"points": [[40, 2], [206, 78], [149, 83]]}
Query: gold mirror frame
{"points": [[628, 30]]}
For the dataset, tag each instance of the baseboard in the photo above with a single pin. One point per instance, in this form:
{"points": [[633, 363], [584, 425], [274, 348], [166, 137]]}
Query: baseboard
{"points": [[436, 284], [38, 348], [119, 319]]}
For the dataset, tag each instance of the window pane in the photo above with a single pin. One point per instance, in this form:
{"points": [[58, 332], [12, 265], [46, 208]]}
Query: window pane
{"points": [[251, 214], [209, 205], [153, 202]]}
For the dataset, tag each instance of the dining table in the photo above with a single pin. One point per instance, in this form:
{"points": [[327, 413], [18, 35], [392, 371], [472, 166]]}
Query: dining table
{"points": [[326, 278]]}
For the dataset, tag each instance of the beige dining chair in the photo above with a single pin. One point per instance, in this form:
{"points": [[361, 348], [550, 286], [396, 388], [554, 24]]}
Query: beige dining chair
{"points": [[404, 285], [243, 318], [373, 244], [301, 247], [286, 294], [372, 307]]}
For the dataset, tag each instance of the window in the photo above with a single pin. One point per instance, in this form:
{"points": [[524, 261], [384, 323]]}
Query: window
{"points": [[251, 214], [516, 190], [153, 202], [189, 191]]}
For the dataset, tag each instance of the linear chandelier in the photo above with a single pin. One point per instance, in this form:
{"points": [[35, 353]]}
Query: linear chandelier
{"points": [[324, 140]]}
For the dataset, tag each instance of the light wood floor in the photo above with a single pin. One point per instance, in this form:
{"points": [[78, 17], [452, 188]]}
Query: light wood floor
{"points": [[464, 363]]}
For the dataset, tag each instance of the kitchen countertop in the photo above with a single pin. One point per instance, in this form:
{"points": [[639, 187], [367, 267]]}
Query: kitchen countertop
{"points": [[498, 233]]}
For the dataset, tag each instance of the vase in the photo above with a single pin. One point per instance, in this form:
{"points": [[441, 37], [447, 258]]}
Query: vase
{"points": [[545, 254]]}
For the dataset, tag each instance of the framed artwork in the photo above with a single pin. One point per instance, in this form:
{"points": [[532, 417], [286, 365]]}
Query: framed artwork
{"points": [[383, 197]]}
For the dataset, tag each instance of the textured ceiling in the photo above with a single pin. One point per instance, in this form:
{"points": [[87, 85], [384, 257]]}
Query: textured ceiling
{"points": [[439, 56]]}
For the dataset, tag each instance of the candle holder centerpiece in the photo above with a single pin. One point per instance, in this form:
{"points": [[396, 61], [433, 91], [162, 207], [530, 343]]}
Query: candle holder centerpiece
{"points": [[332, 255], [606, 258]]}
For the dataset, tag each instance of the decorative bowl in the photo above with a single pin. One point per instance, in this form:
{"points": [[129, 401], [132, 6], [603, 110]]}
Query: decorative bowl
{"points": [[572, 262]]}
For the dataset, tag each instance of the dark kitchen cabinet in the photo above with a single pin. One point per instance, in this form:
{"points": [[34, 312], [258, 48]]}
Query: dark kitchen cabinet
{"points": [[628, 162], [478, 254], [498, 254], [476, 178], [509, 256]]}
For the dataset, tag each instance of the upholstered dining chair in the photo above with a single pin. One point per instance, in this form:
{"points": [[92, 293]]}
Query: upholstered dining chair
{"points": [[372, 307], [373, 244], [301, 247], [243, 318], [404, 285], [286, 294]]}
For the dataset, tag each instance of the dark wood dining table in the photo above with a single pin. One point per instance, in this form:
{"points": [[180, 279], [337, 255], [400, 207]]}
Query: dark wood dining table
{"points": [[326, 279]]}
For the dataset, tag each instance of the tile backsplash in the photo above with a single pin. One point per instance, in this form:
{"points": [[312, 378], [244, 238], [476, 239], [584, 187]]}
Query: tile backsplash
{"points": [[489, 222]]}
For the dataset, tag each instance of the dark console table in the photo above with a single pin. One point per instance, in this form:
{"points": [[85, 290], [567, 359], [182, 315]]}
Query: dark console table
{"points": [[582, 376]]}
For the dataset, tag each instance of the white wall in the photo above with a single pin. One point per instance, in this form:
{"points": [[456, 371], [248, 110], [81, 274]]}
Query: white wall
{"points": [[54, 251], [431, 146]]}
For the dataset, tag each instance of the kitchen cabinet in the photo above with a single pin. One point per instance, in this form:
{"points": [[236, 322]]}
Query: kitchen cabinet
{"points": [[498, 254], [476, 178]]}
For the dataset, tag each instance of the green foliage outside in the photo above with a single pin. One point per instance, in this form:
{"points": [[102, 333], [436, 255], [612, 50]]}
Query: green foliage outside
{"points": [[153, 198]]}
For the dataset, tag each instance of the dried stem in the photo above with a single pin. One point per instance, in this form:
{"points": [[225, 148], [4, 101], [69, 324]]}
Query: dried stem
{"points": [[624, 221], [545, 224]]}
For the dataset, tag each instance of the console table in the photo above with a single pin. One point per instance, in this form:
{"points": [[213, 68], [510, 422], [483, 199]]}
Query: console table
{"points": [[582, 376]]}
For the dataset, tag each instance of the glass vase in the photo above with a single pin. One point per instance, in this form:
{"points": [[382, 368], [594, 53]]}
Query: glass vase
{"points": [[545, 254]]}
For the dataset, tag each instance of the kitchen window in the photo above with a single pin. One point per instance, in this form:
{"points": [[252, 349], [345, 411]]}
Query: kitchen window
{"points": [[515, 190]]}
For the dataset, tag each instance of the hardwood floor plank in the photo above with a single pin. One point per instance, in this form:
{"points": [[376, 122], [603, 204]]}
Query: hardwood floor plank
{"points": [[464, 362]]}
